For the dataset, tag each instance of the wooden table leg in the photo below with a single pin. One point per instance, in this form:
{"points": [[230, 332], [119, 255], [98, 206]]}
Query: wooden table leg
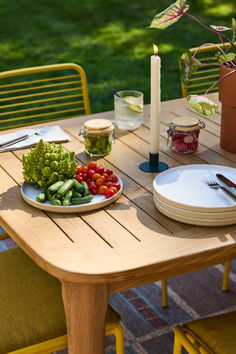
{"points": [[85, 309]]}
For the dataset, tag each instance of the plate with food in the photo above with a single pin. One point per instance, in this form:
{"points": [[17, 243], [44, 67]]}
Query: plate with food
{"points": [[55, 182]]}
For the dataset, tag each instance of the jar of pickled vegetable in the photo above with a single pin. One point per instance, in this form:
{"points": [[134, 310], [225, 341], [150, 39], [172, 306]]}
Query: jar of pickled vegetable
{"points": [[184, 134], [98, 136]]}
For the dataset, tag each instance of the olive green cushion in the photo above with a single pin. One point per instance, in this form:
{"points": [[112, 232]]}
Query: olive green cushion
{"points": [[31, 307], [218, 333]]}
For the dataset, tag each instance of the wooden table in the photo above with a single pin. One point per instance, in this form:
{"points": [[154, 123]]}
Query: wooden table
{"points": [[124, 245]]}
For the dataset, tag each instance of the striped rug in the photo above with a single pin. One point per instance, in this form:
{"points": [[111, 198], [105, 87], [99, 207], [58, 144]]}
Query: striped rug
{"points": [[147, 326]]}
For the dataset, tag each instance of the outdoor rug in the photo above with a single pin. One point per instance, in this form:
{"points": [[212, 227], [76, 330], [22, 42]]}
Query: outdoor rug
{"points": [[147, 326]]}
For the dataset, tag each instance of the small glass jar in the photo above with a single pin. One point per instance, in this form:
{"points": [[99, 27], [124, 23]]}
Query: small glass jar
{"points": [[184, 134], [98, 136]]}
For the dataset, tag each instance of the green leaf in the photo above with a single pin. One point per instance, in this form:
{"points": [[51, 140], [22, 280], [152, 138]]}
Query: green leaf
{"points": [[169, 16], [188, 65], [202, 104], [233, 29], [225, 58], [220, 28]]}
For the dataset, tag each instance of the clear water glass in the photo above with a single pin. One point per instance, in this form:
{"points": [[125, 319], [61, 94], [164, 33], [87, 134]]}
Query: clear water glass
{"points": [[128, 109]]}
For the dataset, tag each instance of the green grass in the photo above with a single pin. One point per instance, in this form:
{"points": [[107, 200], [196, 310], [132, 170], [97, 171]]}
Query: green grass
{"points": [[109, 39]]}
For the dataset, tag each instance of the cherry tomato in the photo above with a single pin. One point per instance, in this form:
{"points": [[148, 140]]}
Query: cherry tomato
{"points": [[89, 180], [114, 189], [92, 184], [85, 176], [79, 169], [94, 190], [109, 172], [100, 170], [85, 169], [96, 176], [99, 182], [102, 189], [109, 193], [116, 185], [114, 178], [109, 184], [105, 175], [79, 178], [92, 165], [109, 179], [91, 173]]}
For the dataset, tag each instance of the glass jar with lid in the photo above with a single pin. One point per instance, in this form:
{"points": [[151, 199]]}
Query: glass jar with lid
{"points": [[184, 134], [98, 136]]}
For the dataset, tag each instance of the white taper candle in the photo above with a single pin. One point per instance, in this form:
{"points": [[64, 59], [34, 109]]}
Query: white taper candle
{"points": [[155, 102]]}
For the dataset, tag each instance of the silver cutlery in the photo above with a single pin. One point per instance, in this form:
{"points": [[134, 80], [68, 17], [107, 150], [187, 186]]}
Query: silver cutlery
{"points": [[213, 184], [24, 137], [226, 180]]}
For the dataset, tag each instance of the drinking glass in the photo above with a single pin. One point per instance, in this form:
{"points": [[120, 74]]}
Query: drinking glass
{"points": [[128, 109]]}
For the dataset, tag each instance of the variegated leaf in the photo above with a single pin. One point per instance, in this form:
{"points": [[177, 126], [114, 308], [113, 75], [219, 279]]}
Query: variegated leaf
{"points": [[202, 104], [170, 15], [188, 65], [220, 28], [225, 58]]}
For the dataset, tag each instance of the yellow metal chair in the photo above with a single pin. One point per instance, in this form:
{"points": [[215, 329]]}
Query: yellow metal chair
{"points": [[32, 318], [211, 335], [41, 94], [207, 74]]}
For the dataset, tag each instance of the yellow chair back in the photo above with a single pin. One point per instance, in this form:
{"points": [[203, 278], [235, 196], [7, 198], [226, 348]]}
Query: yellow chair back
{"points": [[207, 74], [40, 94]]}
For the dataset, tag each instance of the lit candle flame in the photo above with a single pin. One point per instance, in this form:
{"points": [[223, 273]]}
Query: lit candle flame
{"points": [[155, 49]]}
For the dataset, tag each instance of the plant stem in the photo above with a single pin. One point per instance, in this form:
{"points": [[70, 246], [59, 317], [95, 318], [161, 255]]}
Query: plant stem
{"points": [[210, 29], [221, 78]]}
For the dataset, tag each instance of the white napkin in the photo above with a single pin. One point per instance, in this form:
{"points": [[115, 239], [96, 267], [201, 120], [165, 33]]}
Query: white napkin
{"points": [[49, 134]]}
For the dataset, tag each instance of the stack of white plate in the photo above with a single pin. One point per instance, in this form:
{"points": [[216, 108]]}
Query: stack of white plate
{"points": [[181, 193]]}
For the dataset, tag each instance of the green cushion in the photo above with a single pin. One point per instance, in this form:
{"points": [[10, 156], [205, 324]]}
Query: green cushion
{"points": [[31, 307], [218, 333]]}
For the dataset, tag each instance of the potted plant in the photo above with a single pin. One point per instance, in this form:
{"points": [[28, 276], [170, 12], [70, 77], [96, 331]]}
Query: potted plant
{"points": [[227, 80]]}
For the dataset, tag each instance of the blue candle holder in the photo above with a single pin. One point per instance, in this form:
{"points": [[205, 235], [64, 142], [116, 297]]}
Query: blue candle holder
{"points": [[153, 165]]}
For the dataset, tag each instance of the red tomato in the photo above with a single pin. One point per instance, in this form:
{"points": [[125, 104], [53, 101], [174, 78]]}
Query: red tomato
{"points": [[94, 190], [79, 169], [89, 180], [109, 179], [109, 184], [92, 165], [114, 178], [100, 170], [114, 189], [99, 182], [96, 176], [79, 178], [85, 176], [109, 193], [105, 175], [102, 189], [85, 169], [116, 185], [109, 172], [92, 184], [91, 173]]}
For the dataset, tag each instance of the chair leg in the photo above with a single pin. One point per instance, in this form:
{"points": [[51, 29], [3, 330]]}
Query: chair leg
{"points": [[164, 293], [116, 329], [177, 346], [226, 276]]}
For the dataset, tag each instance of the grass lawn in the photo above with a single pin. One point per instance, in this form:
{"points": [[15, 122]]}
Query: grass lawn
{"points": [[108, 38]]}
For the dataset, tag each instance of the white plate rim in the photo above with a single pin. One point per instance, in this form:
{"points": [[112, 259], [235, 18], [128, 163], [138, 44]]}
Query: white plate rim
{"points": [[93, 205], [197, 222], [187, 206]]}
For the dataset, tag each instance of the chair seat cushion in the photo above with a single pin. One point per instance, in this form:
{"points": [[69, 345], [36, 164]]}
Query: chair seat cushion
{"points": [[31, 306], [217, 332]]}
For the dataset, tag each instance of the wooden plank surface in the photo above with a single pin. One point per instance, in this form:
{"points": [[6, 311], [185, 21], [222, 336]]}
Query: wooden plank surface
{"points": [[129, 242]]}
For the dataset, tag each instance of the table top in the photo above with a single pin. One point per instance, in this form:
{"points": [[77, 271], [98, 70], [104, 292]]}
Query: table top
{"points": [[129, 242]]}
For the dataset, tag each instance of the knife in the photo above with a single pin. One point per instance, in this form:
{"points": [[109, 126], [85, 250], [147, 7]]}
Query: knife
{"points": [[226, 180], [13, 141]]}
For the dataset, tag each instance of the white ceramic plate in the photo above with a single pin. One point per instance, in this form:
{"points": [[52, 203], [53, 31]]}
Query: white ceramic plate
{"points": [[29, 194], [196, 214], [194, 221], [184, 187]]}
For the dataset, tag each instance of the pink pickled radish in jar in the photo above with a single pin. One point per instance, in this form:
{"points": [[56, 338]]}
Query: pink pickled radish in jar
{"points": [[184, 134]]}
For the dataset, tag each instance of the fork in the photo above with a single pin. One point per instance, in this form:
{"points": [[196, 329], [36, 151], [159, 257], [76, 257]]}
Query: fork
{"points": [[213, 184]]}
